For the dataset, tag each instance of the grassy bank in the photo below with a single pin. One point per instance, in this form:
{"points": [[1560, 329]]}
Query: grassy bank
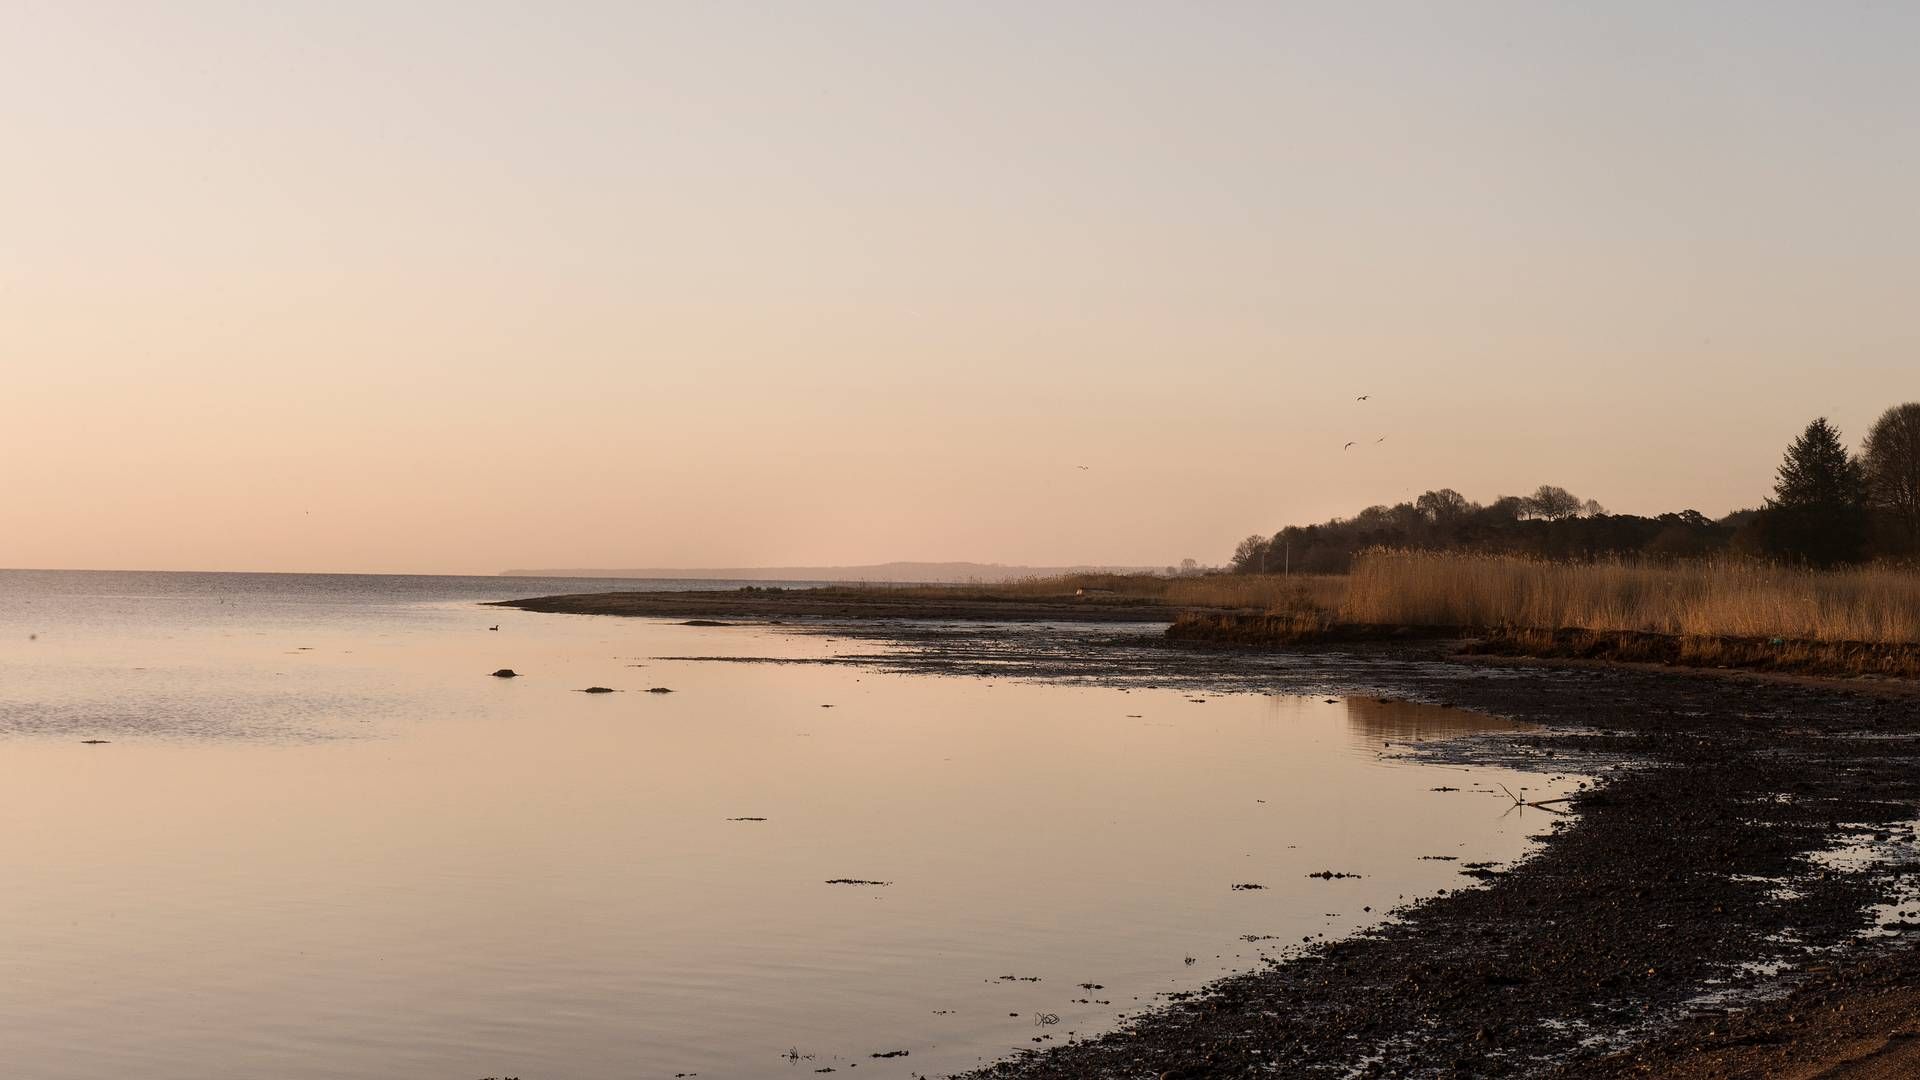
{"points": [[1722, 599], [1725, 614], [1710, 613], [1826, 658]]}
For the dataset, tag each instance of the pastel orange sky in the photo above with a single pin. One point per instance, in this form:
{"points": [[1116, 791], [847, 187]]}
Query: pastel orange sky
{"points": [[450, 287]]}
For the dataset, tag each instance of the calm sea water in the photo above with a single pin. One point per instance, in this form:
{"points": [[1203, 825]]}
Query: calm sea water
{"points": [[319, 841]]}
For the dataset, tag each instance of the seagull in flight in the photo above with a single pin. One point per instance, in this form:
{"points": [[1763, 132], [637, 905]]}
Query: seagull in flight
{"points": [[1379, 440], [1363, 397], [1080, 466], [1349, 446]]}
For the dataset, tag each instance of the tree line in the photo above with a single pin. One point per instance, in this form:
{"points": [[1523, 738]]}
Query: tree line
{"points": [[1829, 507]]}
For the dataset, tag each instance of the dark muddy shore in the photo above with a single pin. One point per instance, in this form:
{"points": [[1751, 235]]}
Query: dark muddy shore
{"points": [[1684, 891], [1691, 918]]}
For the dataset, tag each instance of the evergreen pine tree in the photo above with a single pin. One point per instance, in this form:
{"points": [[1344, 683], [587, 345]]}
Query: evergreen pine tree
{"points": [[1818, 513], [1818, 471]]}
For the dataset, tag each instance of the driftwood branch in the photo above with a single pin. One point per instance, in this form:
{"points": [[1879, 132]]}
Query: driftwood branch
{"points": [[1542, 804]]}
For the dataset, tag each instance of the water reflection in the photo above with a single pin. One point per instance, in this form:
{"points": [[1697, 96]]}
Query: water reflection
{"points": [[508, 877], [1374, 720]]}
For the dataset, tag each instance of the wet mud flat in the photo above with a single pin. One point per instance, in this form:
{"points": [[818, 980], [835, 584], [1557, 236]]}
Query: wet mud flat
{"points": [[1750, 844]]}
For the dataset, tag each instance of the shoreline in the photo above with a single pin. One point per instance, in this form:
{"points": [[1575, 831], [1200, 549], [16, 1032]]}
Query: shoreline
{"points": [[1240, 627], [863, 604], [1674, 926]]}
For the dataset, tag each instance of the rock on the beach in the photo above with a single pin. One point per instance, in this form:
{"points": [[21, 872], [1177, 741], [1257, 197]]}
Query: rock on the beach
{"points": [[506, 673]]}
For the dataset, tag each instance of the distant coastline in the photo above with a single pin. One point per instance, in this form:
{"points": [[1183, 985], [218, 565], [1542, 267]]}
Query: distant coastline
{"points": [[915, 572]]}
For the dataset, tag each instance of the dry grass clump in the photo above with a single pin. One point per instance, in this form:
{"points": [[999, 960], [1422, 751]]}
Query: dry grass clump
{"points": [[1271, 593], [1711, 599], [1272, 628]]}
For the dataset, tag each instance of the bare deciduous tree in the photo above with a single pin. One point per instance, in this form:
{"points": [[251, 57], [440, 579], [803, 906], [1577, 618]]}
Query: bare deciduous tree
{"points": [[1443, 506], [1552, 503], [1892, 462], [1250, 556]]}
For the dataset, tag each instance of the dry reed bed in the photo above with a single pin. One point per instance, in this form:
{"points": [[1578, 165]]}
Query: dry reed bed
{"points": [[1723, 599], [1261, 592]]}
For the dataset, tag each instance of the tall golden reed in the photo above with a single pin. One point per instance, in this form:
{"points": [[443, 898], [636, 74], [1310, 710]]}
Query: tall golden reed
{"points": [[1717, 598], [1270, 593]]}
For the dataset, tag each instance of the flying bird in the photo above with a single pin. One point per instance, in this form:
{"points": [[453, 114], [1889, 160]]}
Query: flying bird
{"points": [[1349, 446], [1379, 440], [1363, 397], [1079, 466]]}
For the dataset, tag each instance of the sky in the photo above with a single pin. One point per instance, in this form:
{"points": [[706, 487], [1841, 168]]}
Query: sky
{"points": [[456, 287]]}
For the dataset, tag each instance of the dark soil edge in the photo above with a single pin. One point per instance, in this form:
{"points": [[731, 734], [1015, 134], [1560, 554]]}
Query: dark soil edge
{"points": [[1835, 659], [1652, 897], [1593, 952], [1648, 900]]}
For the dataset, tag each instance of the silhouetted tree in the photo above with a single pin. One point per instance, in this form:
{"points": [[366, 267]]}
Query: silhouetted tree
{"points": [[1684, 535], [1818, 470], [1892, 462], [1250, 556], [1818, 513], [1551, 503], [1443, 507], [1504, 508], [1446, 520], [1675, 542]]}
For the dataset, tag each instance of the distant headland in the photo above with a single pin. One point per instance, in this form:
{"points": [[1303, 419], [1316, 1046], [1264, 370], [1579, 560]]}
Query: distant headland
{"points": [[929, 572]]}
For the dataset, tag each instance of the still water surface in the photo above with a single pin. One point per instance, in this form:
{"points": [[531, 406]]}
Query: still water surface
{"points": [[319, 841]]}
